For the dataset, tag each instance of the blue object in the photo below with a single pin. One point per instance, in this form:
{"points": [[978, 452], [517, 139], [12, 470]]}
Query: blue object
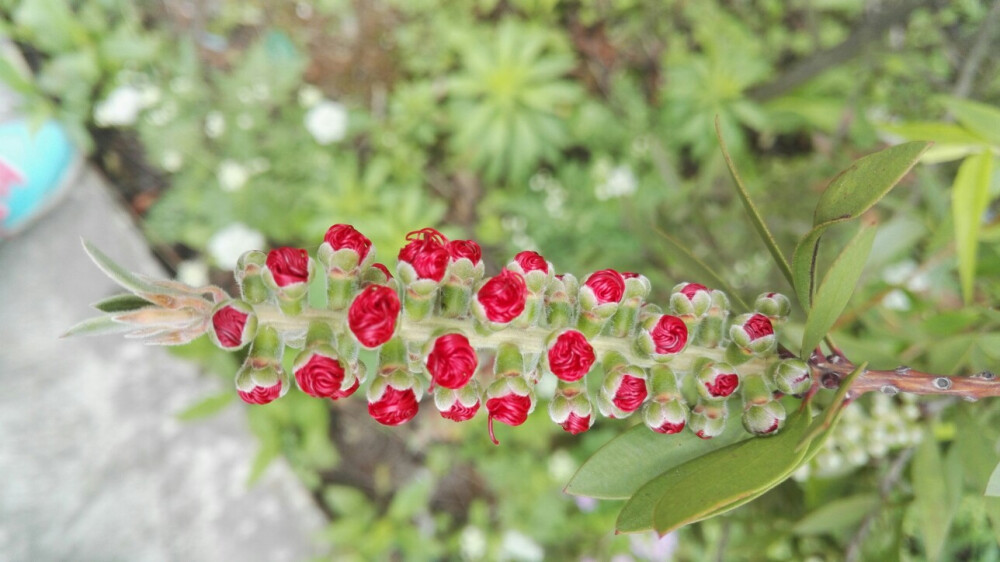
{"points": [[36, 166]]}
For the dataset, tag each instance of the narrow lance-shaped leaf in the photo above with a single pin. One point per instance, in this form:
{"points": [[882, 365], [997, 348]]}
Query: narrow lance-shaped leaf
{"points": [[97, 326], [867, 181], [839, 514], [993, 485], [970, 196], [847, 197], [121, 275], [978, 117], [121, 303], [804, 265], [802, 440], [837, 287], [755, 218], [934, 499], [206, 407], [719, 481], [623, 464]]}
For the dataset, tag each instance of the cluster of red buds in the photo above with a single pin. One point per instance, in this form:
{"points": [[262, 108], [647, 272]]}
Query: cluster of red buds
{"points": [[440, 327]]}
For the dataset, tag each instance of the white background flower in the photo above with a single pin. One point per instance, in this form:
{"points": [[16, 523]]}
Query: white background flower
{"points": [[232, 175], [121, 108], [227, 245], [327, 122]]}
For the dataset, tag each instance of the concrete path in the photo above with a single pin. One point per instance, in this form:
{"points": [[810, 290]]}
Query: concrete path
{"points": [[93, 464]]}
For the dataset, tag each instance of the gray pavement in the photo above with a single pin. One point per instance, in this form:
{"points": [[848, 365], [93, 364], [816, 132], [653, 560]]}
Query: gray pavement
{"points": [[93, 464]]}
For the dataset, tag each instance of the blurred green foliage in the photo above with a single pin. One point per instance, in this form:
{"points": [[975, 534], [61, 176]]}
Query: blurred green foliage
{"points": [[573, 128]]}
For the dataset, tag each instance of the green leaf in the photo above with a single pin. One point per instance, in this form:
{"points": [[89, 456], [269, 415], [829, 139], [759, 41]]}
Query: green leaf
{"points": [[937, 132], [838, 515], [993, 485], [699, 269], [121, 303], [97, 326], [866, 182], [120, 275], [804, 265], [208, 406], [268, 452], [977, 117], [724, 479], [933, 502], [976, 443], [970, 196], [837, 287], [622, 465], [752, 212]]}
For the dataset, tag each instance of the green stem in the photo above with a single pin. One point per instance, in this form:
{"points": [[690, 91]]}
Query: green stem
{"points": [[528, 340]]}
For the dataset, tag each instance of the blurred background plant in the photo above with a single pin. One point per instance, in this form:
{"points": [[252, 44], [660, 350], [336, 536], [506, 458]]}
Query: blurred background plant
{"points": [[580, 129]]}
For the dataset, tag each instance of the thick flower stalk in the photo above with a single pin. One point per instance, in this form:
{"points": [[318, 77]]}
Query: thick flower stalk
{"points": [[443, 330]]}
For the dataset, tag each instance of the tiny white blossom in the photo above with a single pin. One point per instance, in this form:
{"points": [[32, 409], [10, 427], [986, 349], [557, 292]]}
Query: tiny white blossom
{"points": [[149, 95], [232, 176], [309, 96], [518, 546], [193, 272], [172, 160], [227, 245], [896, 300], [620, 182], [215, 125], [327, 122], [121, 107], [472, 543]]}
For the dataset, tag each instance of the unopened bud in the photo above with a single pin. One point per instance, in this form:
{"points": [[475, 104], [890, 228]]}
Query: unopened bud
{"points": [[459, 404], [708, 419], [775, 306], [790, 376], [753, 333], [234, 324], [668, 416], [716, 381], [764, 419], [249, 268]]}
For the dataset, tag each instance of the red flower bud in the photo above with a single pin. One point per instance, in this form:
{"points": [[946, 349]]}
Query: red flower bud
{"points": [[394, 407], [531, 261], [426, 253], [321, 377], [458, 404], [372, 316], [511, 409], [381, 267], [452, 361], [288, 266], [345, 393], [261, 394], [723, 385], [630, 275], [468, 249], [341, 236], [669, 335], [691, 289], [607, 284], [758, 326], [576, 424], [503, 297], [229, 326], [460, 413], [631, 394], [570, 356]]}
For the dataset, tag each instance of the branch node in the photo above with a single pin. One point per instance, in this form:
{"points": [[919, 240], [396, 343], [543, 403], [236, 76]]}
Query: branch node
{"points": [[889, 390]]}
